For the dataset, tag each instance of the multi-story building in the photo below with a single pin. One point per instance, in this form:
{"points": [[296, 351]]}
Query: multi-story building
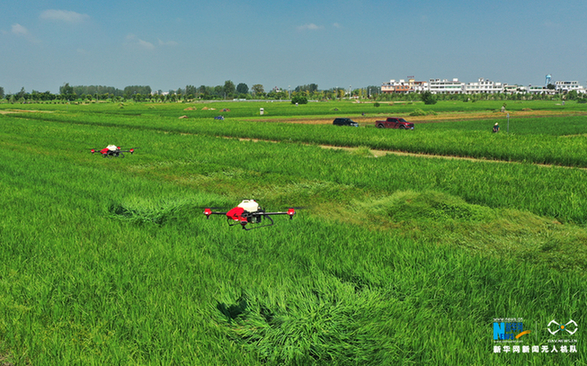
{"points": [[514, 88], [540, 90], [418, 86], [403, 86], [395, 87], [483, 86], [567, 86], [444, 86], [438, 86]]}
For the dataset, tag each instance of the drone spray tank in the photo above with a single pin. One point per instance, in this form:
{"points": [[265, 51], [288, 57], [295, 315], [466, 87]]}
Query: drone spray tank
{"points": [[249, 205]]}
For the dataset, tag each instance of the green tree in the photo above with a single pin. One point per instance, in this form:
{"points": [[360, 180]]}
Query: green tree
{"points": [[218, 91], [242, 88], [67, 92], [190, 90], [1, 92], [130, 91], [20, 94], [428, 97], [258, 90], [309, 88], [299, 99], [572, 95], [229, 88]]}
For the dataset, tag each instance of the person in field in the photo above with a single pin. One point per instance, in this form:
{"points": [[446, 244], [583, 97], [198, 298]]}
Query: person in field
{"points": [[496, 128]]}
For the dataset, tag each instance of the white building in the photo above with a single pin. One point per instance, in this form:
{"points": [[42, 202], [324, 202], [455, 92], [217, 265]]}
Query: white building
{"points": [[438, 86], [483, 86], [567, 86], [540, 90], [444, 86], [418, 86], [403, 86], [395, 86], [514, 89]]}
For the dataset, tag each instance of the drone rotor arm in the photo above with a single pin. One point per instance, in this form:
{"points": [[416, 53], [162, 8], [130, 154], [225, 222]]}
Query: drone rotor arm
{"points": [[131, 150], [209, 212], [291, 212]]}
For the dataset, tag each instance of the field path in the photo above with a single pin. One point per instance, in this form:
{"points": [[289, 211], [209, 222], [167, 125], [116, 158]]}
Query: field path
{"points": [[8, 111], [379, 153]]}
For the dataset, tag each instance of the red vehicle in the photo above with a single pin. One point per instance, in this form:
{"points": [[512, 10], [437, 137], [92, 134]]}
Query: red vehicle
{"points": [[393, 122]]}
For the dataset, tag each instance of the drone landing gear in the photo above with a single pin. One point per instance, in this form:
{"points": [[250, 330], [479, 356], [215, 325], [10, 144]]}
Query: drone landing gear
{"points": [[254, 220]]}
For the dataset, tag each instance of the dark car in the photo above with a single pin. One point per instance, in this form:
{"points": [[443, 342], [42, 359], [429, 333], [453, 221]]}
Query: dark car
{"points": [[393, 122], [345, 122]]}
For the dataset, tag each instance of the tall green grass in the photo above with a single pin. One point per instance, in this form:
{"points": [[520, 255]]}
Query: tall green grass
{"points": [[81, 286], [399, 260], [553, 140], [546, 191]]}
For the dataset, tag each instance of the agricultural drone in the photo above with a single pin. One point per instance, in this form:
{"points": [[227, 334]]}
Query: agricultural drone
{"points": [[249, 212], [112, 151]]}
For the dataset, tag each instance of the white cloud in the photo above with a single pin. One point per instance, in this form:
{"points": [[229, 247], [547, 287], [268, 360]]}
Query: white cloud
{"points": [[168, 43], [146, 45], [64, 16], [310, 26], [337, 25], [133, 40], [19, 30]]}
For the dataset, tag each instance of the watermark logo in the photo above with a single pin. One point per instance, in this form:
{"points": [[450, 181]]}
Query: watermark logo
{"points": [[508, 331], [570, 327], [503, 331]]}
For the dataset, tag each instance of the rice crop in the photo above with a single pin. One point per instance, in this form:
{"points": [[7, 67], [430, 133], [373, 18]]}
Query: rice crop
{"points": [[397, 260], [552, 140]]}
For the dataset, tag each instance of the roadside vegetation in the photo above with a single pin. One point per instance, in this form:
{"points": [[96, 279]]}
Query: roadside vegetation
{"points": [[395, 260]]}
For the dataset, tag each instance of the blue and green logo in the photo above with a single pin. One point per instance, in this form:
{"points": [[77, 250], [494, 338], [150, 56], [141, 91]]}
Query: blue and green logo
{"points": [[508, 331]]}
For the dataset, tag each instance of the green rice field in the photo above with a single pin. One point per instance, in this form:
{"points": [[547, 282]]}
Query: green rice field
{"points": [[393, 260]]}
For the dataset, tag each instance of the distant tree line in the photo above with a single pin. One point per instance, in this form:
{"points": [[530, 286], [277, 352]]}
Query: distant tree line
{"points": [[144, 93], [311, 88]]}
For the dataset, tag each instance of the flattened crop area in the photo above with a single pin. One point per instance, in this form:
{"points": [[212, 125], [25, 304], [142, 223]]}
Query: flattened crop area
{"points": [[22, 111]]}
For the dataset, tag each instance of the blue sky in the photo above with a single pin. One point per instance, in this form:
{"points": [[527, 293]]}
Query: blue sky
{"points": [[170, 44]]}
